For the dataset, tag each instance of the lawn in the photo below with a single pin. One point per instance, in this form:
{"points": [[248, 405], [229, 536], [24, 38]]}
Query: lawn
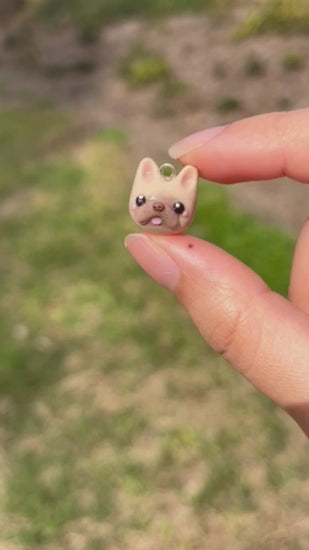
{"points": [[120, 428]]}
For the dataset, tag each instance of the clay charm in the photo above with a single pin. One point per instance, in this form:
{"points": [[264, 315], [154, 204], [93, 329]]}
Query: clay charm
{"points": [[161, 201]]}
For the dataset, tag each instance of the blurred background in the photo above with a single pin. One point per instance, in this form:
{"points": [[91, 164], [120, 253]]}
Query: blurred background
{"points": [[119, 427]]}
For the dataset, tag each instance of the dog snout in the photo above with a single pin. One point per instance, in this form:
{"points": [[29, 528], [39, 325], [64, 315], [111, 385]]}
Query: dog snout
{"points": [[158, 206]]}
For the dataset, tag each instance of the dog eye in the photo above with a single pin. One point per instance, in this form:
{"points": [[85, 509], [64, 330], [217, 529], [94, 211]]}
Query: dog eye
{"points": [[140, 200], [178, 207]]}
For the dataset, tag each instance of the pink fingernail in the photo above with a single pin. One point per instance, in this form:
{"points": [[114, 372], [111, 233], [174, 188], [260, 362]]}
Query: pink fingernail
{"points": [[153, 260], [194, 141]]}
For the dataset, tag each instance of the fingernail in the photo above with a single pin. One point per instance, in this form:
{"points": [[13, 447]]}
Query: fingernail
{"points": [[153, 260], [194, 141]]}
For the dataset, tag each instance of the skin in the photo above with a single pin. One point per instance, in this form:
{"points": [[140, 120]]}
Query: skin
{"points": [[262, 335]]}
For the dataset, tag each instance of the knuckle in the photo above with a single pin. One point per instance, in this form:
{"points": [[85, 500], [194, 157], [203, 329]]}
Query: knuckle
{"points": [[225, 316], [234, 326], [225, 333]]}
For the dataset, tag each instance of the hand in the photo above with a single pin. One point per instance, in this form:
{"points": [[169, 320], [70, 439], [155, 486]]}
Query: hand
{"points": [[264, 336]]}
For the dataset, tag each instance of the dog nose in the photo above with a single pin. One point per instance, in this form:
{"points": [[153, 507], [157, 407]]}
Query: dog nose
{"points": [[158, 206]]}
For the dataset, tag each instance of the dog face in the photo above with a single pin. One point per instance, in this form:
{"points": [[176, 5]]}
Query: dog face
{"points": [[161, 205]]}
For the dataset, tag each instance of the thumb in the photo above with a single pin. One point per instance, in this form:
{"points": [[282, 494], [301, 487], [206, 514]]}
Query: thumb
{"points": [[260, 333]]}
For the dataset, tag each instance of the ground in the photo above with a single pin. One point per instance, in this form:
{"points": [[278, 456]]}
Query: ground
{"points": [[214, 80], [121, 429]]}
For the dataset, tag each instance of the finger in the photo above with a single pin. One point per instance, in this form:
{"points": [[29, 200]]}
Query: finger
{"points": [[299, 282], [262, 335], [257, 148]]}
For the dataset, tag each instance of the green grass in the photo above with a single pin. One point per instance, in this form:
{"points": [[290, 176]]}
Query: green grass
{"points": [[111, 403], [228, 104], [106, 10], [292, 61], [88, 17], [277, 16], [141, 67], [81, 66], [225, 485], [239, 234], [254, 66], [284, 103]]}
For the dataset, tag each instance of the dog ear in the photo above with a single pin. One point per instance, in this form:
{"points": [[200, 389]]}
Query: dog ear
{"points": [[188, 177], [147, 170]]}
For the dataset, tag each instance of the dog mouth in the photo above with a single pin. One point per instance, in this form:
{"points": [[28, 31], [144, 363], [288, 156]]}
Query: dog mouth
{"points": [[153, 220]]}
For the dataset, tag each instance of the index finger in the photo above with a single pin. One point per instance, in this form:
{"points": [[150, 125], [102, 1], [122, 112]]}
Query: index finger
{"points": [[257, 148]]}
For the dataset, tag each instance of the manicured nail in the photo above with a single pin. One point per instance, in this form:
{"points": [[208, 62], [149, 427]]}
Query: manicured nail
{"points": [[153, 260], [193, 141]]}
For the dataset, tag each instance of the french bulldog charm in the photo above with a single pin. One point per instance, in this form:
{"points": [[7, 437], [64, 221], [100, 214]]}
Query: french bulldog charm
{"points": [[161, 202]]}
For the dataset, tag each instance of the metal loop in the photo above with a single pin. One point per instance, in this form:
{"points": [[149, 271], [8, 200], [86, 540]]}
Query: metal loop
{"points": [[168, 171]]}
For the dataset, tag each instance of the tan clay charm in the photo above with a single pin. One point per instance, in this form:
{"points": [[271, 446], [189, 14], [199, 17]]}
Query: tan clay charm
{"points": [[161, 201]]}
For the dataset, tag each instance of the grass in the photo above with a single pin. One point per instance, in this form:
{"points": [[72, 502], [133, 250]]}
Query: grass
{"points": [[141, 67], [173, 97], [278, 16], [253, 66], [81, 66], [228, 104], [224, 487], [115, 414], [237, 234], [88, 17], [106, 10], [284, 103], [292, 61]]}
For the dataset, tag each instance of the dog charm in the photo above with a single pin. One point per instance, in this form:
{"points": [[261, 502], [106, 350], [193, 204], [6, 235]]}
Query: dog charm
{"points": [[162, 201]]}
